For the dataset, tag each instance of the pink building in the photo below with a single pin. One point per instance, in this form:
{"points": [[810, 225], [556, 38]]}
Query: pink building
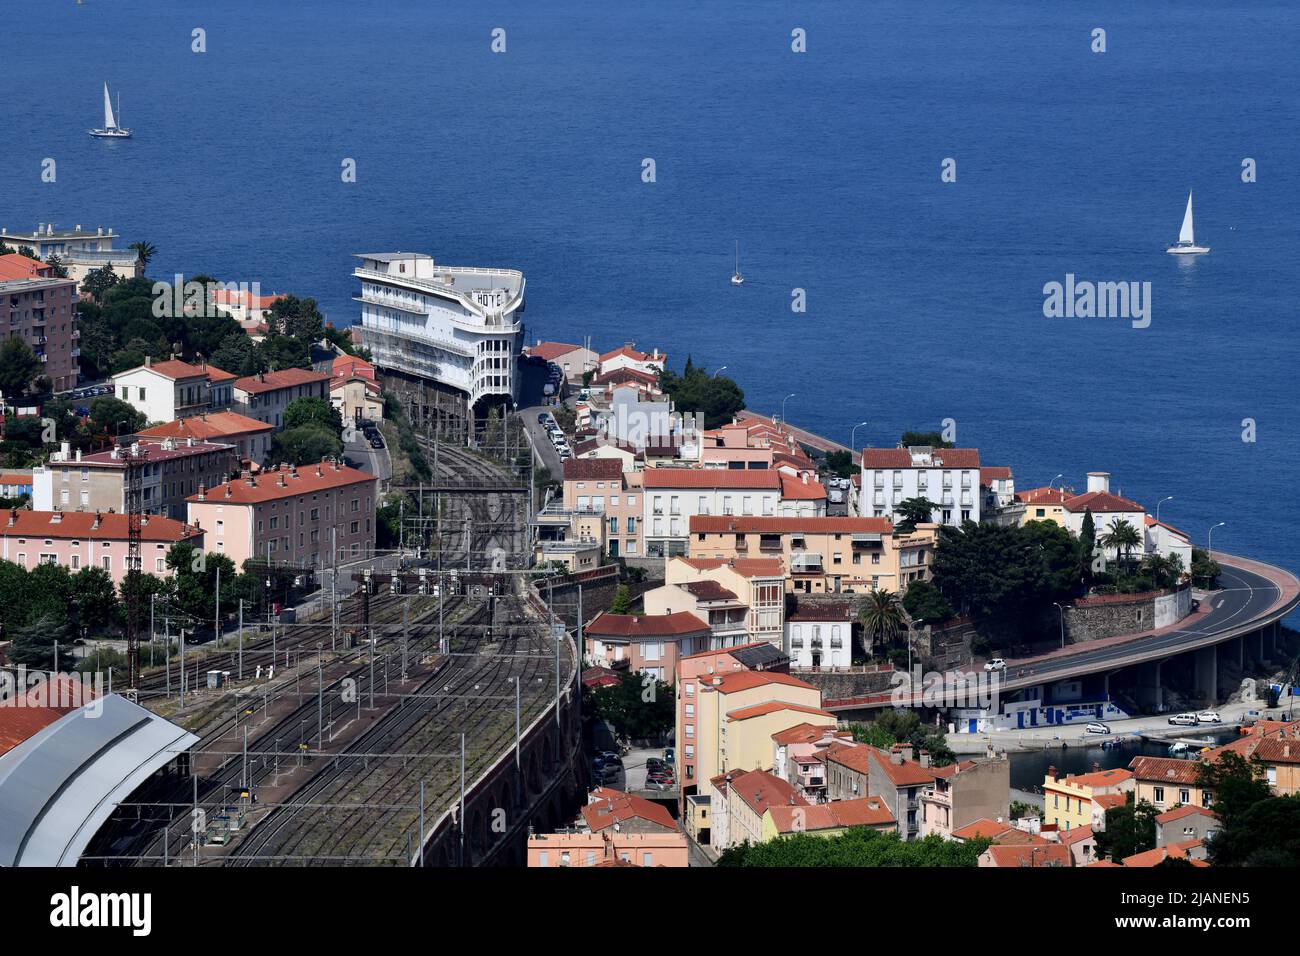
{"points": [[614, 829], [287, 514], [85, 539], [596, 488], [652, 643], [42, 311]]}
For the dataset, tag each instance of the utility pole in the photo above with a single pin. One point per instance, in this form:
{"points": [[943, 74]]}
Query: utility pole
{"points": [[182, 668], [216, 611], [241, 638]]}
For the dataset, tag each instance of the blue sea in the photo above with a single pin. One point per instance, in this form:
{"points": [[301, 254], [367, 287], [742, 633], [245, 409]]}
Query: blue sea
{"points": [[924, 298]]}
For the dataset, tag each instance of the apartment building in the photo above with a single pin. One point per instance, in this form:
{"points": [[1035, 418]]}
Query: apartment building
{"points": [[819, 632], [749, 797], [166, 391], [250, 438], [1068, 801], [80, 251], [42, 311], [949, 477], [596, 487], [172, 470], [573, 360], [649, 643], [758, 583], [799, 756], [87, 539], [290, 515], [674, 495], [965, 792], [626, 356], [825, 555], [266, 395], [725, 614]]}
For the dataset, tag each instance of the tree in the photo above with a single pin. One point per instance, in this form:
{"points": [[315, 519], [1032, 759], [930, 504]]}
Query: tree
{"points": [[305, 445], [840, 464], [716, 398], [99, 281], [313, 412], [881, 615], [925, 602], [933, 439], [1266, 834], [94, 598], [296, 318], [1130, 829], [239, 355], [1205, 570], [622, 601], [638, 707], [1237, 785], [33, 643], [18, 367], [144, 252], [111, 414], [856, 847], [1123, 537], [1087, 547], [914, 511]]}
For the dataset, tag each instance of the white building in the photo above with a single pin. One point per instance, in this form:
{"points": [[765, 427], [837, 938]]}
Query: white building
{"points": [[80, 251], [820, 634], [672, 495], [627, 357], [1107, 510], [170, 390], [950, 477], [1169, 541], [451, 324]]}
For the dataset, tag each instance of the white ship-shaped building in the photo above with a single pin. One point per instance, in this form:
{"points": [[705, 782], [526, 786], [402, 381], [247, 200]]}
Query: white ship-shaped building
{"points": [[454, 325]]}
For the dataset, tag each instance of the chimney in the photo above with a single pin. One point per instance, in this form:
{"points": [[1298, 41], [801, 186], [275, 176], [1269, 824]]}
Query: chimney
{"points": [[896, 754], [148, 361], [98, 518], [1099, 481], [1051, 772], [65, 449], [203, 492], [13, 516], [925, 758]]}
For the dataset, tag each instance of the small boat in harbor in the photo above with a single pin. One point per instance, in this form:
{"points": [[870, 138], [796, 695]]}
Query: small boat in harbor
{"points": [[1186, 244], [737, 279], [110, 129]]}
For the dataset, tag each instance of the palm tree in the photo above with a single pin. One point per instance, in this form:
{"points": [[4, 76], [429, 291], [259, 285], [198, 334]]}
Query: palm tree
{"points": [[1121, 536], [144, 251], [882, 616]]}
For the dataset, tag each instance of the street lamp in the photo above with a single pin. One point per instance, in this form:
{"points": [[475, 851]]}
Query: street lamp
{"points": [[1062, 610], [1209, 540], [1053, 481], [720, 369], [1159, 503], [853, 440], [783, 401]]}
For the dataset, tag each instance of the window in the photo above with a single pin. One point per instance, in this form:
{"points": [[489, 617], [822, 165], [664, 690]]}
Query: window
{"points": [[1158, 795]]}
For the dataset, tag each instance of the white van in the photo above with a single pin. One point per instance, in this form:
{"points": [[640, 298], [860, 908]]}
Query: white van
{"points": [[1184, 720]]}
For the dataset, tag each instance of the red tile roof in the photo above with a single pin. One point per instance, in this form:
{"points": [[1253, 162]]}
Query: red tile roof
{"points": [[1101, 502], [796, 489], [1052, 854], [308, 479], [175, 370], [1278, 750], [862, 812], [23, 717], [608, 807], [1160, 853], [550, 351], [1165, 769], [775, 706], [1186, 810], [745, 567], [1040, 496], [744, 680], [1152, 522], [708, 591], [206, 427], [646, 626], [284, 378], [1095, 780], [756, 524], [991, 473], [805, 734], [983, 828], [15, 266], [1076, 835], [902, 458], [764, 479], [761, 790], [909, 773], [82, 525]]}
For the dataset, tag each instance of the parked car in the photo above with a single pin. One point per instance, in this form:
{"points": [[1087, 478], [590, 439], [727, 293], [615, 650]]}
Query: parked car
{"points": [[663, 784], [610, 758], [541, 419], [1097, 727], [670, 755], [376, 442], [997, 664], [1209, 717], [1184, 720]]}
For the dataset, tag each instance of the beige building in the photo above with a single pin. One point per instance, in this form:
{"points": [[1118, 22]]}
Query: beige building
{"points": [[823, 555], [290, 515], [965, 792], [1043, 504], [1168, 782], [266, 395], [759, 584]]}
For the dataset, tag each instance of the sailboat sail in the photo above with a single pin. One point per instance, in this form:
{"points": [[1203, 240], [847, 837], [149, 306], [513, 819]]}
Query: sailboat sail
{"points": [[1185, 235], [109, 121]]}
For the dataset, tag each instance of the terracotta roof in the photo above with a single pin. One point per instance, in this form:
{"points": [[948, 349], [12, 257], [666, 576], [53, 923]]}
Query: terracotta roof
{"points": [[796, 489], [1040, 496], [593, 469], [708, 591], [550, 351], [983, 828], [82, 525], [724, 650], [744, 680], [952, 769], [862, 812], [1152, 523], [1052, 854], [623, 376], [854, 758], [608, 807], [1096, 863], [308, 479], [761, 790], [761, 524], [631, 353], [745, 567], [989, 473], [720, 782], [1101, 502], [646, 626], [1278, 750], [775, 706], [806, 734], [909, 773], [284, 378], [244, 297], [352, 365], [175, 370], [1165, 770], [1158, 855], [1108, 800], [1095, 780], [40, 706], [806, 610], [1186, 810], [211, 425], [1077, 835], [15, 266], [763, 479], [15, 478], [902, 458]]}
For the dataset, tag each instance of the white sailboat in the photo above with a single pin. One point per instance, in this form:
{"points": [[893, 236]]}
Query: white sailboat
{"points": [[111, 130], [737, 279], [1186, 244]]}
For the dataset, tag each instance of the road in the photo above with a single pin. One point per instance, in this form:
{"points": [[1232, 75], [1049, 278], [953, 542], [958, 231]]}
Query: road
{"points": [[376, 461], [541, 439]]}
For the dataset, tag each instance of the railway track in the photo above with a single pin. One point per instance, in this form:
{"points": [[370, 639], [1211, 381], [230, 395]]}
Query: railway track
{"points": [[469, 694]]}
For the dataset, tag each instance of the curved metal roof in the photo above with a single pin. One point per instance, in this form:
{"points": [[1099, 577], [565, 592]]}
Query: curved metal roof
{"points": [[58, 787]]}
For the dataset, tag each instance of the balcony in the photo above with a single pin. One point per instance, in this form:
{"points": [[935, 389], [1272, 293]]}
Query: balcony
{"points": [[805, 563]]}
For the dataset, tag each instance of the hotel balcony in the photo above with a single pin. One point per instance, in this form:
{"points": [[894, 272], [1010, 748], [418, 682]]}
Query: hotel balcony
{"points": [[810, 563]]}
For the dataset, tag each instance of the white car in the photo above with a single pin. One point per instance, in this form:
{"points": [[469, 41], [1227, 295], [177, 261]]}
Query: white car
{"points": [[1184, 720], [997, 664], [1209, 717]]}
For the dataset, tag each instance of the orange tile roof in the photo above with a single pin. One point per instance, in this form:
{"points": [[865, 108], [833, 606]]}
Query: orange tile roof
{"points": [[861, 812], [1040, 496], [550, 351], [266, 486], [761, 790], [1165, 769], [983, 828], [993, 473], [772, 707], [796, 489], [763, 479], [745, 680], [1095, 780], [745, 567], [41, 706], [209, 426], [805, 734], [175, 370], [1077, 835], [284, 378], [1158, 855], [909, 773], [15, 266], [1101, 502], [608, 807], [1186, 810], [756, 524], [1052, 854], [677, 624], [902, 458], [91, 526]]}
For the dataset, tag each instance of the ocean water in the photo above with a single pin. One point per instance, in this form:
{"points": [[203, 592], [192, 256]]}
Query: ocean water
{"points": [[924, 298]]}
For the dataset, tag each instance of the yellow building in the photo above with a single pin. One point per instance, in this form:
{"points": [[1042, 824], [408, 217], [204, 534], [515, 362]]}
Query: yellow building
{"points": [[823, 555], [1068, 800], [1168, 782], [1043, 504]]}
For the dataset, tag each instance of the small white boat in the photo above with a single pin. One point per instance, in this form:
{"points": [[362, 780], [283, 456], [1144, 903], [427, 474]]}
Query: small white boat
{"points": [[1186, 244], [737, 279], [110, 129]]}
